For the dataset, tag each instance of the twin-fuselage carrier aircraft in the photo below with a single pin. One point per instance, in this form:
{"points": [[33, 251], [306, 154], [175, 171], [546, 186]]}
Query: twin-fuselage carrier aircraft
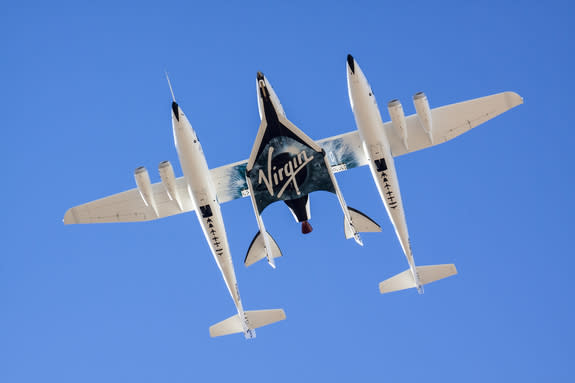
{"points": [[286, 165]]}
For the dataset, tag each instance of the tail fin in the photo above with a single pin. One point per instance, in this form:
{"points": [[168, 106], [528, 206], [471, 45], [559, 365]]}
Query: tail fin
{"points": [[257, 249], [254, 319], [427, 274], [361, 222]]}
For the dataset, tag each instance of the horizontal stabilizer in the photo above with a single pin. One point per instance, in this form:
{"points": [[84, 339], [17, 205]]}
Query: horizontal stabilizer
{"points": [[361, 222], [257, 249], [427, 274], [255, 319]]}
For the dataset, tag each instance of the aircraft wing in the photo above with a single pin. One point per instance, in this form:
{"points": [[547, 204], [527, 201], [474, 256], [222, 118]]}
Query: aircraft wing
{"points": [[345, 151], [129, 206], [450, 121], [230, 181]]}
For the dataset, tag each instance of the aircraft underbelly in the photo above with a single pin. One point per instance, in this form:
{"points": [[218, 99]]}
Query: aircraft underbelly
{"points": [[203, 194], [382, 166]]}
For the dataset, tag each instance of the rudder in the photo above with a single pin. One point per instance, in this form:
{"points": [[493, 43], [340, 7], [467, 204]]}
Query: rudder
{"points": [[361, 222], [257, 250]]}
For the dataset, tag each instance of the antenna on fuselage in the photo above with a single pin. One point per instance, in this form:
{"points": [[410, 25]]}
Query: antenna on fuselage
{"points": [[170, 85]]}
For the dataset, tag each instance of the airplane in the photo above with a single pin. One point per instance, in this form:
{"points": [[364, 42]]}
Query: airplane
{"points": [[281, 146], [203, 190], [195, 191], [381, 142], [286, 165]]}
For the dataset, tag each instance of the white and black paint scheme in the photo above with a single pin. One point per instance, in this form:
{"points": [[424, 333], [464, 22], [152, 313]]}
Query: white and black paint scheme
{"points": [[376, 144], [382, 142], [194, 191], [286, 165]]}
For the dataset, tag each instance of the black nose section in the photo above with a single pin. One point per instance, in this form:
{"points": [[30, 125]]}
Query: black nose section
{"points": [[260, 76], [351, 63], [175, 110]]}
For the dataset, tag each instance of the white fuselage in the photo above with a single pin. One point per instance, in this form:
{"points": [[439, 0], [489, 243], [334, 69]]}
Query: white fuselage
{"points": [[203, 194], [377, 150]]}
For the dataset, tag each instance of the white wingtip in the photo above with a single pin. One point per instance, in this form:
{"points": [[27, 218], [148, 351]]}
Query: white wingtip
{"points": [[69, 217], [513, 99]]}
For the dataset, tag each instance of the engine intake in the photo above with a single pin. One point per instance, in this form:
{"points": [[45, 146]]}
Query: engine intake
{"points": [[423, 113], [398, 119], [169, 181], [145, 188]]}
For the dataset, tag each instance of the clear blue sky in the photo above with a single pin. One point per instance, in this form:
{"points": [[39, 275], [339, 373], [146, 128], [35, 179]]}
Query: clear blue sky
{"points": [[84, 101]]}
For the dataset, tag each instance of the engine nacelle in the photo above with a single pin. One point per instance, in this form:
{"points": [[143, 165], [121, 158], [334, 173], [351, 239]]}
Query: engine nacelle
{"points": [[423, 113], [398, 119], [145, 187], [169, 181]]}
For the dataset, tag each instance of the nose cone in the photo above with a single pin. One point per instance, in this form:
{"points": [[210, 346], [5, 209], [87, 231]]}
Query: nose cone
{"points": [[179, 119], [351, 64], [354, 72], [262, 83], [176, 110], [357, 85]]}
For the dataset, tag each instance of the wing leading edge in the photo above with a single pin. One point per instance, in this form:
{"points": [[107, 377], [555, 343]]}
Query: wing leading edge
{"points": [[450, 121], [129, 206], [344, 152]]}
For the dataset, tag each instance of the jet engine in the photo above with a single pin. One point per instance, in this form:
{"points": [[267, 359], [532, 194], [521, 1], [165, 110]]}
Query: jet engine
{"points": [[169, 181], [423, 112], [145, 187], [398, 119]]}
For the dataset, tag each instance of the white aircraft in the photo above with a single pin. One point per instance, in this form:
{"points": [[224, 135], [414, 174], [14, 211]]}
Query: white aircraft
{"points": [[295, 171], [278, 168], [194, 191], [383, 141]]}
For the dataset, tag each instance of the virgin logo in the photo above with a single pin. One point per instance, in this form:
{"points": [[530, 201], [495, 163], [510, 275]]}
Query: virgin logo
{"points": [[285, 175]]}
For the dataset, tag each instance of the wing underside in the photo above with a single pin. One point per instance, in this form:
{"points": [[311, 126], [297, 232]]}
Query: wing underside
{"points": [[345, 151], [450, 121], [129, 206]]}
